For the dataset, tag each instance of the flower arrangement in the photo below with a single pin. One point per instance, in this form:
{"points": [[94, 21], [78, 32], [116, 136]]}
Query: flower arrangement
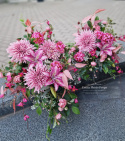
{"points": [[46, 70]]}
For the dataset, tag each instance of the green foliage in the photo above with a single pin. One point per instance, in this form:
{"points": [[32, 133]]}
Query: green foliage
{"points": [[75, 110], [36, 45], [89, 24], [96, 18], [72, 95], [39, 110], [28, 93]]}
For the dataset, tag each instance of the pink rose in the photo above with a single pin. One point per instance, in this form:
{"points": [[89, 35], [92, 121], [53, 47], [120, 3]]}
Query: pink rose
{"points": [[62, 103], [60, 109], [17, 79], [93, 64], [1, 75], [58, 116]]}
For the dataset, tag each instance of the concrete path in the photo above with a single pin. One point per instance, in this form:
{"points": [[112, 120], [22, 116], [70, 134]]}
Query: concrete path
{"points": [[102, 118], [62, 14]]}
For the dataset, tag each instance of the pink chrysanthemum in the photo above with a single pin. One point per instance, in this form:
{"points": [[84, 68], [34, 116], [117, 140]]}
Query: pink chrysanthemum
{"points": [[79, 56], [58, 64], [39, 37], [85, 41], [18, 50], [35, 78], [50, 50]]}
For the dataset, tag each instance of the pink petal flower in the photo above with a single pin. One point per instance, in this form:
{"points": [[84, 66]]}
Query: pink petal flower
{"points": [[62, 103], [1, 75], [80, 65], [20, 104], [24, 100], [93, 64], [58, 116], [60, 109], [76, 100]]}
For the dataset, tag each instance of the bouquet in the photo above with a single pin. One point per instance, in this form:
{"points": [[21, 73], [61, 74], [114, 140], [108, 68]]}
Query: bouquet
{"points": [[46, 70]]}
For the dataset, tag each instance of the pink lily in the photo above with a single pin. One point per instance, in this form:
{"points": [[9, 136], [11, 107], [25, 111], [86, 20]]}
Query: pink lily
{"points": [[54, 77], [9, 76], [36, 57], [106, 49], [2, 93]]}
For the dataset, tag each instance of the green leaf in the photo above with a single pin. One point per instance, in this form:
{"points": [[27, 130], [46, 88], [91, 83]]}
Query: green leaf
{"points": [[36, 45], [105, 69], [72, 95], [113, 71], [39, 110], [28, 93], [75, 110], [89, 24], [67, 112], [53, 91], [25, 36], [7, 68], [24, 24], [49, 130], [22, 20], [54, 124], [96, 18]]}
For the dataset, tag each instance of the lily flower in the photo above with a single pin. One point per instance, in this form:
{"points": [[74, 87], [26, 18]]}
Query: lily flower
{"points": [[54, 77], [35, 57]]}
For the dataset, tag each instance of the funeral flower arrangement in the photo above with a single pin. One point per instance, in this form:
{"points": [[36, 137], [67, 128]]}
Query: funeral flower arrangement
{"points": [[46, 70]]}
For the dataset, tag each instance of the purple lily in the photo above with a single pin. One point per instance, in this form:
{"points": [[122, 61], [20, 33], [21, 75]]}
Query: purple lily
{"points": [[54, 77], [35, 57]]}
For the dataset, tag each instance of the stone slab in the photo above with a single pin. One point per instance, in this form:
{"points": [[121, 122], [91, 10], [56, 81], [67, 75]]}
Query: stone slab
{"points": [[101, 119]]}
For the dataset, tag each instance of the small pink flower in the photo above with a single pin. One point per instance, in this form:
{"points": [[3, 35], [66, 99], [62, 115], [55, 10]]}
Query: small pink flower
{"points": [[58, 116], [24, 100], [9, 85], [60, 109], [120, 71], [26, 117], [50, 32], [117, 67], [116, 61], [79, 56], [48, 22], [23, 90], [79, 79], [93, 64], [20, 104], [75, 69], [74, 89], [76, 100], [97, 28], [39, 37], [58, 64], [72, 50], [62, 103], [48, 36], [9, 76], [24, 70], [104, 22], [70, 87], [48, 28], [17, 79], [60, 46], [1, 75]]}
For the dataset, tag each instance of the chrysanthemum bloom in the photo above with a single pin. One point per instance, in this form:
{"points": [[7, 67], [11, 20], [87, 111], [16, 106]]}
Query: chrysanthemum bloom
{"points": [[35, 77], [58, 64], [18, 50], [85, 41], [62, 103], [39, 37], [50, 50], [17, 79], [79, 56], [60, 46]]}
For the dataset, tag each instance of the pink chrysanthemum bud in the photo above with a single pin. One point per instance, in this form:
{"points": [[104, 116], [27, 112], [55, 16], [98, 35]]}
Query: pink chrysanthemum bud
{"points": [[79, 56]]}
